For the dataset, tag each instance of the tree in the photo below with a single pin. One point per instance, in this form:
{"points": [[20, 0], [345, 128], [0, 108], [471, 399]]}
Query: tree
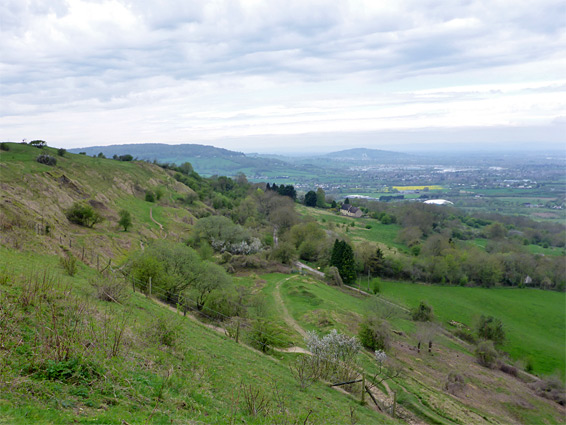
{"points": [[61, 152], [311, 198], [285, 252], [38, 143], [214, 278], [375, 262], [320, 198], [347, 201], [342, 258], [125, 219], [492, 329], [177, 269], [495, 230], [186, 168]]}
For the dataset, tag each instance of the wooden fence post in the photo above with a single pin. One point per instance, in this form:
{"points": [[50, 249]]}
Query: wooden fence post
{"points": [[238, 330], [133, 285], [149, 287], [362, 400]]}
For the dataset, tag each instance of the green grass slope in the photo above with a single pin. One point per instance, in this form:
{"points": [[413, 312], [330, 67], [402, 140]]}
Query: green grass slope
{"points": [[34, 198], [195, 375], [534, 320]]}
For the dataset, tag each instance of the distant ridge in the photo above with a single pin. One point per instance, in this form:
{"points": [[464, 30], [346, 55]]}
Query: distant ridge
{"points": [[157, 151], [206, 160], [364, 154]]}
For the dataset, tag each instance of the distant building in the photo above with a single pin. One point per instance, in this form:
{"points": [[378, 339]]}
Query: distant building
{"points": [[350, 211], [438, 202]]}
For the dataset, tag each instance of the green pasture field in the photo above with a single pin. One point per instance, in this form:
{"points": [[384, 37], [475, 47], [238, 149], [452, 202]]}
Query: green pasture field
{"points": [[385, 234], [534, 320], [533, 249]]}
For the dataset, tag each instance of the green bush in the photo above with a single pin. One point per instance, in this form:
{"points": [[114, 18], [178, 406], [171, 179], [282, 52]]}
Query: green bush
{"points": [[69, 263], [486, 354], [46, 159], [149, 196], [83, 215], [71, 371], [61, 152], [4, 147], [374, 334], [164, 332], [423, 313], [491, 328], [125, 220]]}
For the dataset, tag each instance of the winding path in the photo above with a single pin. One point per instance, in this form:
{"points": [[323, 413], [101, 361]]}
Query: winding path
{"points": [[286, 316], [154, 220]]}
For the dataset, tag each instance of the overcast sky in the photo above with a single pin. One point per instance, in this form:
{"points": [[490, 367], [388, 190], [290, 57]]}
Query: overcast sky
{"points": [[283, 76]]}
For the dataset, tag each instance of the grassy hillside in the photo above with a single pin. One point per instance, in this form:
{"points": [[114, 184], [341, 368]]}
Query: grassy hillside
{"points": [[491, 396], [67, 354], [534, 320], [35, 198], [165, 369]]}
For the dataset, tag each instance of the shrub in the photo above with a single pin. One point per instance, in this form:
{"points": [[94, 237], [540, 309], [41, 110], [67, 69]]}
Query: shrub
{"points": [[71, 371], [149, 196], [110, 288], [4, 147], [46, 159], [285, 252], [508, 369], [164, 331], [551, 388], [69, 263], [83, 215], [486, 354], [455, 383], [263, 334], [332, 276], [125, 219], [374, 334], [61, 152], [491, 328], [465, 335], [423, 313]]}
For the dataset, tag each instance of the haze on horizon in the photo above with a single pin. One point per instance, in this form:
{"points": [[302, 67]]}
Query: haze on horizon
{"points": [[285, 76]]}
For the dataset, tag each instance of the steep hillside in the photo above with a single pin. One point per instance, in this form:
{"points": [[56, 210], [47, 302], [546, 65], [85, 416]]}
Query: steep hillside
{"points": [[34, 199]]}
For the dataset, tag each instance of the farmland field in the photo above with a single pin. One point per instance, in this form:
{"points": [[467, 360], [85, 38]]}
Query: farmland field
{"points": [[534, 320]]}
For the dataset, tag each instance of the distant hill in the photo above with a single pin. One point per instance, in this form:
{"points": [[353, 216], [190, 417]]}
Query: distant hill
{"points": [[209, 160], [206, 160]]}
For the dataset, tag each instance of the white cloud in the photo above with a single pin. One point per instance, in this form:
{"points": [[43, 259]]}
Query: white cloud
{"points": [[82, 72]]}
